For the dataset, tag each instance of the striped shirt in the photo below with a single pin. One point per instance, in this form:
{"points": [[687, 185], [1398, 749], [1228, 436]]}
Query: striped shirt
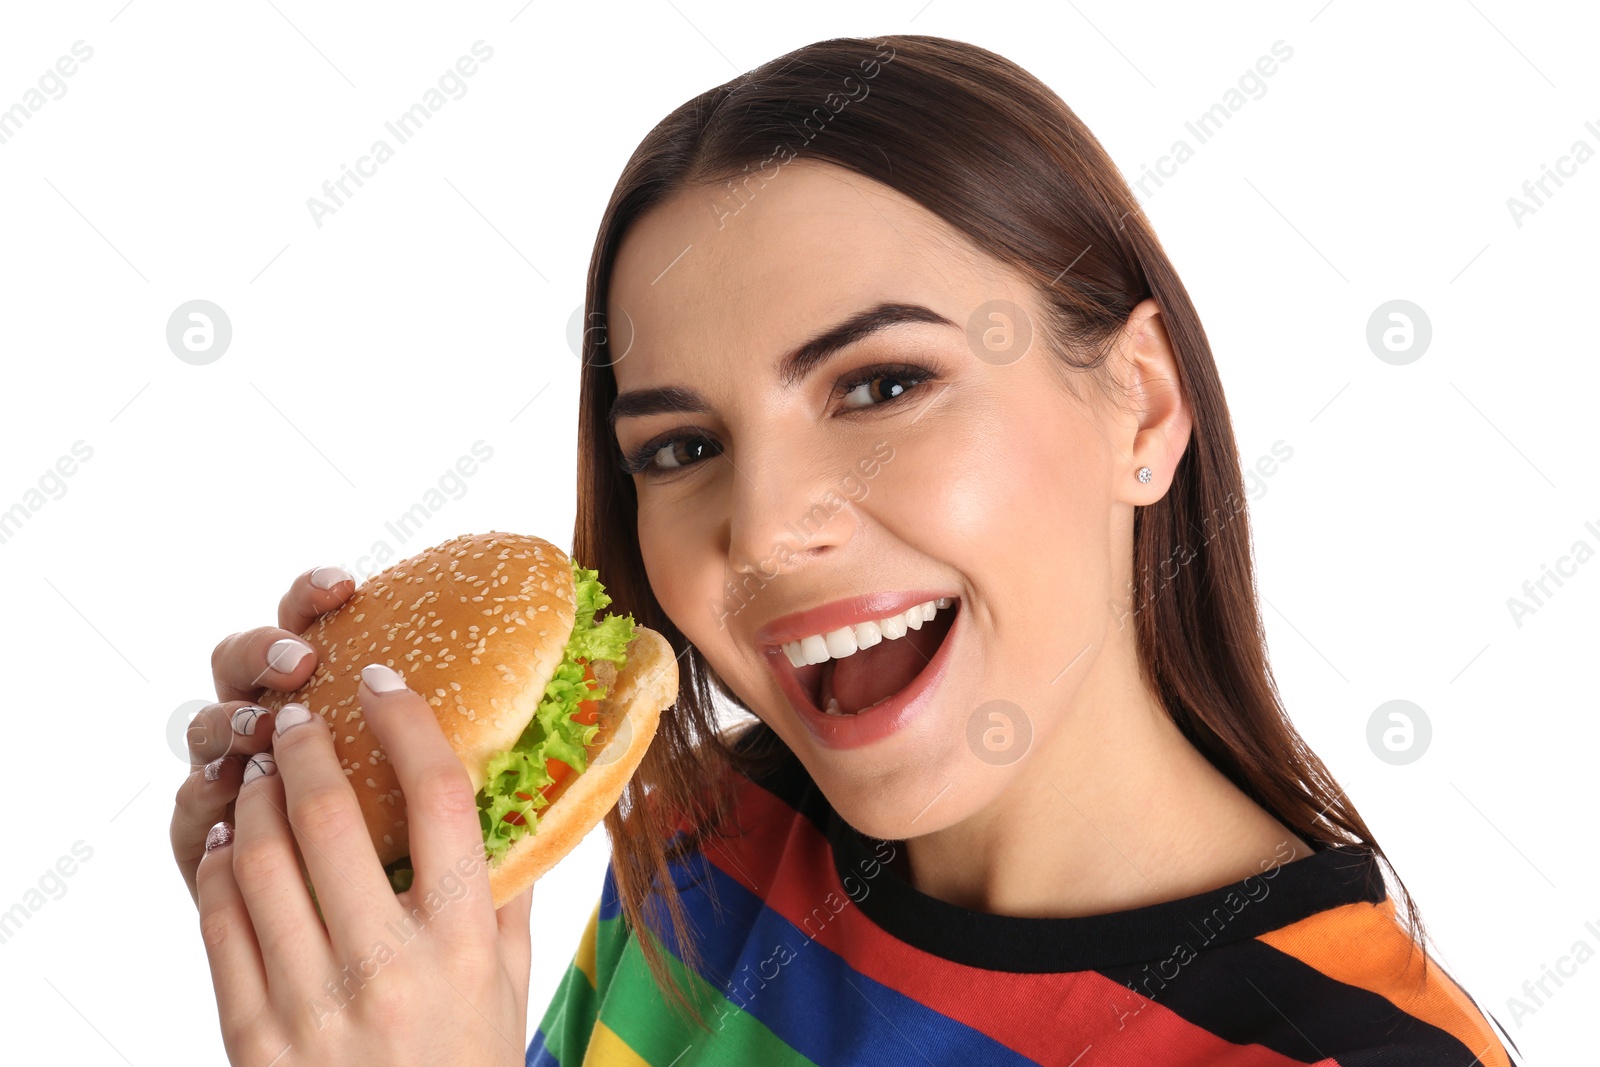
{"points": [[815, 952]]}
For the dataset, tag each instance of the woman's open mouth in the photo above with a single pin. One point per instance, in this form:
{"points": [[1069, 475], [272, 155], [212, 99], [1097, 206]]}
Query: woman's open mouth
{"points": [[859, 683]]}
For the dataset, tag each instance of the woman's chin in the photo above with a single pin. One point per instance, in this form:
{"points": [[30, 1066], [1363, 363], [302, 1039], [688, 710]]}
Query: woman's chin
{"points": [[903, 803]]}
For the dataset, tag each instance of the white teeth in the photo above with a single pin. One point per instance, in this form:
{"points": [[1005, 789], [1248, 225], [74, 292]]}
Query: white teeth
{"points": [[812, 649], [845, 641], [840, 642], [867, 634]]}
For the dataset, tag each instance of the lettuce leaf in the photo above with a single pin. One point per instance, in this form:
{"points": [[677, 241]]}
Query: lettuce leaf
{"points": [[552, 733], [400, 874]]}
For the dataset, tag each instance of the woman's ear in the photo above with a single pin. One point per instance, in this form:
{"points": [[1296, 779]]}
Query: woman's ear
{"points": [[1156, 409]]}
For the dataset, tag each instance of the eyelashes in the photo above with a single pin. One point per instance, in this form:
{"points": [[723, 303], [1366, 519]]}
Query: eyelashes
{"points": [[913, 377]]}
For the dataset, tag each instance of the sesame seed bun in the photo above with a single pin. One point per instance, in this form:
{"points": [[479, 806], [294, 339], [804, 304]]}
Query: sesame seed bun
{"points": [[477, 626]]}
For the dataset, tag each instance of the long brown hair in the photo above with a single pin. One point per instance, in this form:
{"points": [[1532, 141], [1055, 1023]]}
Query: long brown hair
{"points": [[992, 151]]}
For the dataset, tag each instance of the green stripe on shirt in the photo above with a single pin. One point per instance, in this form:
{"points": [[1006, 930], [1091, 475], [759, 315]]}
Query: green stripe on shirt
{"points": [[629, 1003]]}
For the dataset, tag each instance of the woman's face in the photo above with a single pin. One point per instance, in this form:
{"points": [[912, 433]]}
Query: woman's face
{"points": [[962, 468]]}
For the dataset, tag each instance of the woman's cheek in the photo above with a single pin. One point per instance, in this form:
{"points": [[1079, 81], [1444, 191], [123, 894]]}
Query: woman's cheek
{"points": [[672, 563], [950, 489]]}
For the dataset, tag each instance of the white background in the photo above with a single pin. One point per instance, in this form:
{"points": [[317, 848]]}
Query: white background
{"points": [[432, 311]]}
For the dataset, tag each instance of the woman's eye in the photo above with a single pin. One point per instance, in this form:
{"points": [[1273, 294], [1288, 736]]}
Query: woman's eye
{"points": [[872, 387], [892, 384], [670, 455]]}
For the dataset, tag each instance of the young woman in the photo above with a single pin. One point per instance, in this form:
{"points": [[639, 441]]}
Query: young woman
{"points": [[898, 422]]}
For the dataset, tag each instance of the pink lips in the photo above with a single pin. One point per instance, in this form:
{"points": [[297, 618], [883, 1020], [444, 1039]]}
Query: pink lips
{"points": [[880, 720]]}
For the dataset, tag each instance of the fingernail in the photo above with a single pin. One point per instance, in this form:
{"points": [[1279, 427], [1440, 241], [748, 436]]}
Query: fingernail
{"points": [[381, 679], [244, 720], [287, 654], [214, 769], [221, 834], [261, 763], [292, 715], [328, 577]]}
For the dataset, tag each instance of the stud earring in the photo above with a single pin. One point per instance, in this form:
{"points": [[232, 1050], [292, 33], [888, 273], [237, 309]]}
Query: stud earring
{"points": [[1145, 474]]}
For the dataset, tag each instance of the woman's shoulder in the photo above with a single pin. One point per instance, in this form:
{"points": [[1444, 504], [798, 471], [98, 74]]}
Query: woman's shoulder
{"points": [[1411, 1009]]}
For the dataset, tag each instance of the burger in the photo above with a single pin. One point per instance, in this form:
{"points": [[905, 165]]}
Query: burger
{"points": [[548, 706]]}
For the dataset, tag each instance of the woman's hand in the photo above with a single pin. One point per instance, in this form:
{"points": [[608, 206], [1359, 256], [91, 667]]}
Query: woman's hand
{"points": [[434, 975], [242, 666]]}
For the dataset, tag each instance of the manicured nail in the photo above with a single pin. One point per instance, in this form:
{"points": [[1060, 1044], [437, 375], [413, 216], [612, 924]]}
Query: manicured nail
{"points": [[244, 720], [380, 679], [214, 769], [287, 654], [261, 763], [292, 715], [221, 834], [328, 577]]}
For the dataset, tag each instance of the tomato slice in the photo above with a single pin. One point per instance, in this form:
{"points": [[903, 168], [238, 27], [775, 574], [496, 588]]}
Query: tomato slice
{"points": [[557, 771], [588, 713]]}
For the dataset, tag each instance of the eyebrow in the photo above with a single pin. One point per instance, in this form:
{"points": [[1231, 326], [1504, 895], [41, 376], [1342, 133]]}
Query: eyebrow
{"points": [[791, 369]]}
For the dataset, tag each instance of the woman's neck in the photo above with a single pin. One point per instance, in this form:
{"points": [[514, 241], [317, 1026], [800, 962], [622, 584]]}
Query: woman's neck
{"points": [[1114, 810]]}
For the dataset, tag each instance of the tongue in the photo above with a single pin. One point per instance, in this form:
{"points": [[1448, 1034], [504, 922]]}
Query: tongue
{"points": [[871, 674]]}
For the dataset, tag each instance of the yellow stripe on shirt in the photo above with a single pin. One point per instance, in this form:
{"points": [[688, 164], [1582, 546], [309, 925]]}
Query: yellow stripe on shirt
{"points": [[606, 1049], [583, 959]]}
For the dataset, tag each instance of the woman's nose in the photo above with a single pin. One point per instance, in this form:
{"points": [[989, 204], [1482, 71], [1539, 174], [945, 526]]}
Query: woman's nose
{"points": [[786, 509]]}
